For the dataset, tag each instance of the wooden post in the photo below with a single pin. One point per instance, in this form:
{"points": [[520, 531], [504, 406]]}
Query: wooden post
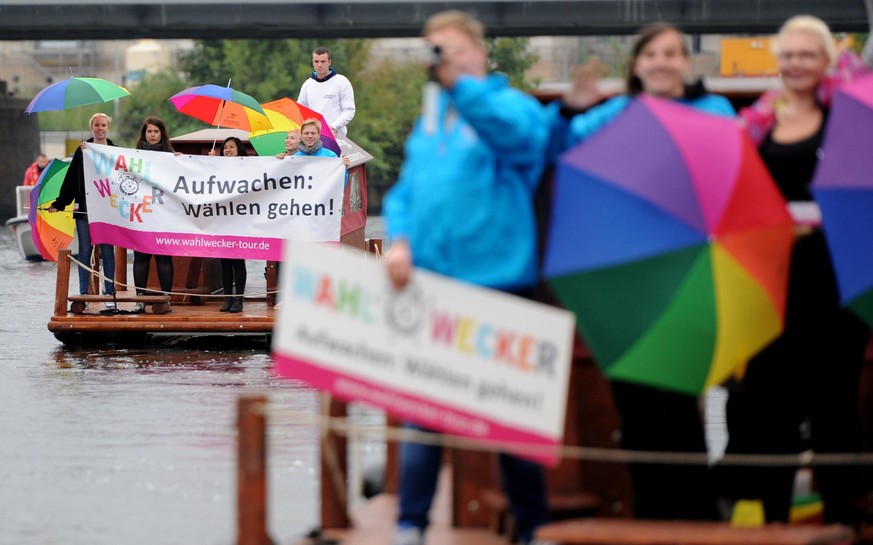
{"points": [[120, 267], [62, 283], [334, 461], [272, 273], [252, 472], [94, 282]]}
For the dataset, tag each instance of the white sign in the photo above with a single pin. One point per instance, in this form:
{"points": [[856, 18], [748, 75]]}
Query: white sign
{"points": [[233, 207], [446, 355]]}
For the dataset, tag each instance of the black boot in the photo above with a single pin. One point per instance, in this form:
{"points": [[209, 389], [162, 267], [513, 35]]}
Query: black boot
{"points": [[228, 302], [237, 304]]}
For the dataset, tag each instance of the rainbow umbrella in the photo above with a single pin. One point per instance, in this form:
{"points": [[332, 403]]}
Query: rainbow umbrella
{"points": [[222, 107], [298, 113], [272, 141], [671, 243], [75, 92], [51, 231], [844, 190]]}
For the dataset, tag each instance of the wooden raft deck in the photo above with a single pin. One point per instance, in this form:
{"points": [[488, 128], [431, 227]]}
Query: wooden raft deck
{"points": [[193, 313]]}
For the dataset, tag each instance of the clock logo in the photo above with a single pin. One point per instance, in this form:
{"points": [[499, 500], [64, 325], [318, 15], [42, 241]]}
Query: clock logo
{"points": [[128, 183], [406, 311]]}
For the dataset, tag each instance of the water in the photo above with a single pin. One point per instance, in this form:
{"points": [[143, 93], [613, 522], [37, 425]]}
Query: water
{"points": [[134, 446]]}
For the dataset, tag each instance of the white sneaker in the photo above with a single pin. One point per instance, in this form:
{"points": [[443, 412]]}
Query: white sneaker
{"points": [[110, 305], [408, 536]]}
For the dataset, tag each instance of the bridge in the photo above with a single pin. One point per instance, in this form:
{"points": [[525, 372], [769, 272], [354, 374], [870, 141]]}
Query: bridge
{"points": [[204, 19]]}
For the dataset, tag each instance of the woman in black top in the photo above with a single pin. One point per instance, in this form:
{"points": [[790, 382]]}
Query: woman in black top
{"points": [[233, 271], [800, 392], [153, 136]]}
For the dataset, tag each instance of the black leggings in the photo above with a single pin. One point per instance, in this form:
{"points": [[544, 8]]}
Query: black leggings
{"points": [[141, 264], [233, 269]]}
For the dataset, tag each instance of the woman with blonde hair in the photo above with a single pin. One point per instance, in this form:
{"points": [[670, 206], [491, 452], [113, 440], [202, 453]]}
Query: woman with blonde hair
{"points": [[800, 392], [73, 189], [310, 140]]}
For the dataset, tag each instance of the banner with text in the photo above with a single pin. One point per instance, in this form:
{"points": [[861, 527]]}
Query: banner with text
{"points": [[189, 205], [447, 355]]}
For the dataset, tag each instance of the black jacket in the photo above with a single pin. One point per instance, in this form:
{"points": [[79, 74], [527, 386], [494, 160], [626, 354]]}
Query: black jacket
{"points": [[73, 188]]}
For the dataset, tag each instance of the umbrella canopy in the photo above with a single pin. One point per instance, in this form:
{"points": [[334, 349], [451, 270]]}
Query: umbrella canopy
{"points": [[51, 231], [843, 187], [222, 107], [298, 113], [272, 141], [74, 92], [671, 243]]}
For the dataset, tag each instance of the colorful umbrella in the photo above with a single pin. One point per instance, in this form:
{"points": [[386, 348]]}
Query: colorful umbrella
{"points": [[843, 187], [272, 141], [297, 113], [671, 243], [51, 231], [222, 107], [74, 92]]}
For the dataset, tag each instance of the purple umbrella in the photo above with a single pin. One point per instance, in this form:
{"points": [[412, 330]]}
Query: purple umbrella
{"points": [[843, 187]]}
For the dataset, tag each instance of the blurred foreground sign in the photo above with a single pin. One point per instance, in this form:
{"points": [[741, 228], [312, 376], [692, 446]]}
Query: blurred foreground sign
{"points": [[446, 355]]}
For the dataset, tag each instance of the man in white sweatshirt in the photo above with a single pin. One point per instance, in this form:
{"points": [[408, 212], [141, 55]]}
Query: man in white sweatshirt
{"points": [[328, 93]]}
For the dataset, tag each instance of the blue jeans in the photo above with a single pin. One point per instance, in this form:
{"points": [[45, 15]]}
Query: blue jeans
{"points": [[107, 255], [523, 482]]}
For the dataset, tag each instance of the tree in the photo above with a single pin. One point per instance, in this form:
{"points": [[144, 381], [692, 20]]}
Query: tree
{"points": [[510, 56], [268, 69], [151, 97], [388, 99]]}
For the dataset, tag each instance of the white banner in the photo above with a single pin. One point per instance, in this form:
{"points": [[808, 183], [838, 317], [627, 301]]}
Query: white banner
{"points": [[447, 355], [189, 205]]}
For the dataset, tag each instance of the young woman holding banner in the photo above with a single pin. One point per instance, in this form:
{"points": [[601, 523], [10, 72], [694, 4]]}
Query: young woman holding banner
{"points": [[153, 136]]}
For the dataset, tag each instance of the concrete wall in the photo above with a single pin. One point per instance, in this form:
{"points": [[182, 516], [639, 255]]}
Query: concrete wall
{"points": [[19, 146]]}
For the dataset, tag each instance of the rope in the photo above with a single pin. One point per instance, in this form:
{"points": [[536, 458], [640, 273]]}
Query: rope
{"points": [[377, 252], [127, 286], [342, 426]]}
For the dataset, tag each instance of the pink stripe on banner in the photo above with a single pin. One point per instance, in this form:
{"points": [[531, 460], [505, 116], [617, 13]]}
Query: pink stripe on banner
{"points": [[188, 244], [424, 412]]}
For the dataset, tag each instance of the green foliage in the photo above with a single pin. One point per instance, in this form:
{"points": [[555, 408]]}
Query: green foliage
{"points": [[151, 97], [75, 119], [268, 69], [510, 56], [858, 40], [388, 100]]}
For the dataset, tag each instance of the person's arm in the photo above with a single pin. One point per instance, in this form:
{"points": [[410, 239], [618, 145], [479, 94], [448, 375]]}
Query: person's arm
{"points": [[347, 105], [585, 125], [70, 186], [395, 207], [510, 122]]}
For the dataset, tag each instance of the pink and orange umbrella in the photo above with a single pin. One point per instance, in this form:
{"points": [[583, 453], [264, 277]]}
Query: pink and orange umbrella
{"points": [[297, 113]]}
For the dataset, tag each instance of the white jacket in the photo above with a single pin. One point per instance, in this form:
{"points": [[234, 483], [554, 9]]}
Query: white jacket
{"points": [[334, 99]]}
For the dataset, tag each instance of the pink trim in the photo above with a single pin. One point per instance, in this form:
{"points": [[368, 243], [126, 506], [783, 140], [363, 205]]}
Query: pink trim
{"points": [[422, 411], [201, 245]]}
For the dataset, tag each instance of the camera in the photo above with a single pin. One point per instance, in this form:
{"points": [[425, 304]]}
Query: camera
{"points": [[435, 58]]}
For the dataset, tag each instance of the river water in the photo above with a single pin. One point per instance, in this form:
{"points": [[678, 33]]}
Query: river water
{"points": [[133, 446]]}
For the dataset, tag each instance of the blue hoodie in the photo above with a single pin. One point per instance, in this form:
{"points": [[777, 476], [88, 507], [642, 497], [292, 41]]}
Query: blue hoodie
{"points": [[464, 199]]}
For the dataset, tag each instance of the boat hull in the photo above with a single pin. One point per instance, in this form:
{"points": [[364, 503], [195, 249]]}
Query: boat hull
{"points": [[21, 231]]}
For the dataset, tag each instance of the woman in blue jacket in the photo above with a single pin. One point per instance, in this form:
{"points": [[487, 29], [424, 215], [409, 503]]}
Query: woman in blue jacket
{"points": [[310, 140], [652, 419]]}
